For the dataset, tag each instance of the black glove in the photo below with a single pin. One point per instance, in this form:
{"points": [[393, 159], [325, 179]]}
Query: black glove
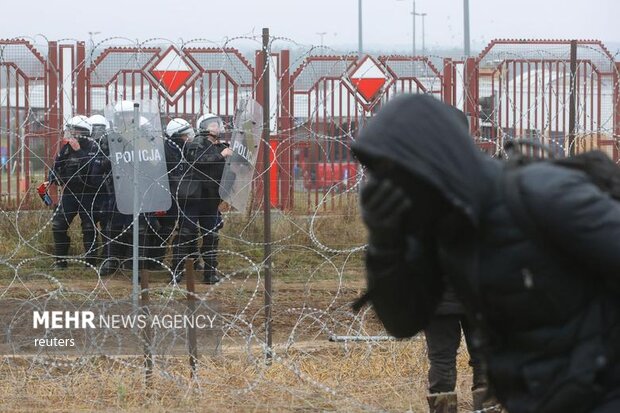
{"points": [[384, 209]]}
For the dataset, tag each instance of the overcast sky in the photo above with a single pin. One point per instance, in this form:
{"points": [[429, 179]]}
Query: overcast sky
{"points": [[386, 23]]}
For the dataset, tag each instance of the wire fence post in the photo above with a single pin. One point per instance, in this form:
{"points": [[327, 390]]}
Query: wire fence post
{"points": [[147, 332], [136, 207], [266, 193], [571, 98], [191, 304]]}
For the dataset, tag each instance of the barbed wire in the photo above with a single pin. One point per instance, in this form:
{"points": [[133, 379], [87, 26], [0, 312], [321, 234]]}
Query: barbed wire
{"points": [[317, 243]]}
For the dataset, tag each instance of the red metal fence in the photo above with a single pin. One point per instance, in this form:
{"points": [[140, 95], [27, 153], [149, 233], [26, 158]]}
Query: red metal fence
{"points": [[514, 88]]}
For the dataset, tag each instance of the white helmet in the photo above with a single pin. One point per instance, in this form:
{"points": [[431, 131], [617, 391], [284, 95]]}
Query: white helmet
{"points": [[124, 106], [99, 120], [123, 115], [206, 124], [178, 127], [80, 125]]}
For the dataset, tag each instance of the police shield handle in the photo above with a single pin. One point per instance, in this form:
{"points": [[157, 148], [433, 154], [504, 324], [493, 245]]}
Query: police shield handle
{"points": [[227, 152]]}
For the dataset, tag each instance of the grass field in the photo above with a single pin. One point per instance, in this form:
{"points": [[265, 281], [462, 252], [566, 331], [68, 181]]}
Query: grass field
{"points": [[318, 271]]}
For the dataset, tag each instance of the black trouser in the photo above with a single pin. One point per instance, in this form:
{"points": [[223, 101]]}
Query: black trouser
{"points": [[71, 205], [116, 236], [443, 337], [163, 233], [197, 220]]}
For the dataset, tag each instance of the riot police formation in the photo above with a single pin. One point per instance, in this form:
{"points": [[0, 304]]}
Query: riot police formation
{"points": [[76, 170], [194, 164], [197, 180]]}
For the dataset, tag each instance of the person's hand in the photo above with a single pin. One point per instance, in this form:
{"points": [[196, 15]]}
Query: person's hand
{"points": [[384, 209], [74, 144], [226, 152]]}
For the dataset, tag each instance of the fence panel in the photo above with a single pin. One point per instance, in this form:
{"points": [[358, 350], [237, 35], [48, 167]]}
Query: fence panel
{"points": [[26, 118], [523, 90]]}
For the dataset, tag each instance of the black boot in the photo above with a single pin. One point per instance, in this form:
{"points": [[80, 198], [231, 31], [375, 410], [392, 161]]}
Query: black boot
{"points": [[208, 251], [59, 264], [484, 400], [110, 266], [177, 277], [210, 276], [442, 402]]}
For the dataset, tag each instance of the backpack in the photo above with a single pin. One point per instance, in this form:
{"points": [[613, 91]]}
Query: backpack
{"points": [[599, 168]]}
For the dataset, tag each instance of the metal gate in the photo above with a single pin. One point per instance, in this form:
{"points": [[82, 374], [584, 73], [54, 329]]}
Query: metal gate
{"points": [[328, 109], [214, 82], [27, 119], [560, 93], [514, 88]]}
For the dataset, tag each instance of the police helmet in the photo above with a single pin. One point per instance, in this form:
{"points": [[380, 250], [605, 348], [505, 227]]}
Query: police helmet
{"points": [[79, 125], [124, 106], [210, 124], [99, 121], [178, 127]]}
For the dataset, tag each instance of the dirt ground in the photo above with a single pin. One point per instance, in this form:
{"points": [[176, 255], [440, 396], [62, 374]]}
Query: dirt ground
{"points": [[307, 371]]}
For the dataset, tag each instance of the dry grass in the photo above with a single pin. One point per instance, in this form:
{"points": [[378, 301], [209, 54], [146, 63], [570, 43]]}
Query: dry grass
{"points": [[315, 377], [316, 277]]}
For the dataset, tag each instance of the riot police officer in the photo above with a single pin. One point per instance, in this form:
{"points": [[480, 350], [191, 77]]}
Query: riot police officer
{"points": [[179, 133], [198, 198], [73, 170], [213, 156]]}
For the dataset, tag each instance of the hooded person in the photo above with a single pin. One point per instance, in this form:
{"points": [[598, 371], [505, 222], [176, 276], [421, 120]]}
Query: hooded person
{"points": [[434, 205], [443, 338]]}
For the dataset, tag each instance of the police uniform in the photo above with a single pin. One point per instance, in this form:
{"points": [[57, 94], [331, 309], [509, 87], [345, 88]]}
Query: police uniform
{"points": [[73, 169], [198, 204]]}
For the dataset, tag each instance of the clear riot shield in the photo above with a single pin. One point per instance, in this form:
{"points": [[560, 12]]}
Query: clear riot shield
{"points": [[143, 143], [236, 183]]}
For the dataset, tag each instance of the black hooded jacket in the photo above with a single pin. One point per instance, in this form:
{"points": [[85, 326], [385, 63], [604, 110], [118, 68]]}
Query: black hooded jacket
{"points": [[551, 321]]}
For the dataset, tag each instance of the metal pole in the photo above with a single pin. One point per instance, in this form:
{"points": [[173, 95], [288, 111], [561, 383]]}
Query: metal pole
{"points": [[92, 46], [266, 193], [147, 333], [360, 48], [423, 35], [571, 98], [136, 204], [414, 50], [321, 34], [466, 27]]}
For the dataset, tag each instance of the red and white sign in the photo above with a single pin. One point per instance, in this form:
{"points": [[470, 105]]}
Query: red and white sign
{"points": [[368, 78], [172, 73]]}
